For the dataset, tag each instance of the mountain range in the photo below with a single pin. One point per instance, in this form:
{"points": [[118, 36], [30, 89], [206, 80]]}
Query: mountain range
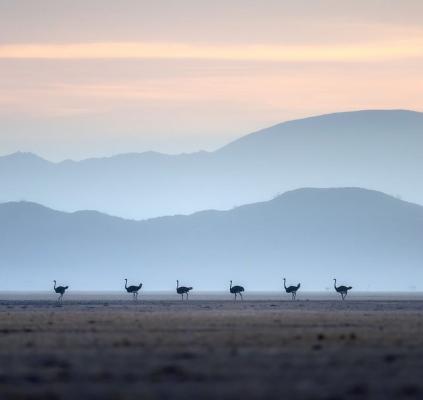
{"points": [[364, 238], [380, 150]]}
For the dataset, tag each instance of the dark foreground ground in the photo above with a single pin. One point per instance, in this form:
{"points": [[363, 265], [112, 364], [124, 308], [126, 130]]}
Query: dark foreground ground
{"points": [[211, 349]]}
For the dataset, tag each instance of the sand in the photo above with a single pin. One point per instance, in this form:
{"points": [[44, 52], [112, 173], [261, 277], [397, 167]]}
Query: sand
{"points": [[211, 347]]}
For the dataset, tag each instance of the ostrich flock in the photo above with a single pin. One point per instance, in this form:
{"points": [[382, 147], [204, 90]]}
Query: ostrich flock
{"points": [[184, 290]]}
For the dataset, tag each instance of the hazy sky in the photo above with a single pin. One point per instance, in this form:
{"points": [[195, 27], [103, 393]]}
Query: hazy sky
{"points": [[85, 78]]}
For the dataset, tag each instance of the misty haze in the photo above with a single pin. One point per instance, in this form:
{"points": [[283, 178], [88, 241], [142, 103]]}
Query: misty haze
{"points": [[368, 149], [310, 234]]}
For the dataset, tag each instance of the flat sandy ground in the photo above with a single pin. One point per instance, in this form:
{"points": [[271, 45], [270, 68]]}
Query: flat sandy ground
{"points": [[111, 348]]}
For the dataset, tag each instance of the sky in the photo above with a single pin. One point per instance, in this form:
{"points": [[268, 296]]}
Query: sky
{"points": [[92, 78]]}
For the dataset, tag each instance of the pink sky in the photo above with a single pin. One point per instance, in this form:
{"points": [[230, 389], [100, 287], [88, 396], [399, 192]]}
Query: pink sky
{"points": [[80, 79]]}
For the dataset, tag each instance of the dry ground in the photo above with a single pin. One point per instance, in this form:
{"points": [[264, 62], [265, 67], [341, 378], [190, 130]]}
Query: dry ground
{"points": [[211, 349]]}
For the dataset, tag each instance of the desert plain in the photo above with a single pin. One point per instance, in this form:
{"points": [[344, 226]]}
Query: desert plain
{"points": [[210, 347]]}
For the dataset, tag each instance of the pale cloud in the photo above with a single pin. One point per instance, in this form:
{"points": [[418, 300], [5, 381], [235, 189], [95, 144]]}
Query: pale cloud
{"points": [[378, 51]]}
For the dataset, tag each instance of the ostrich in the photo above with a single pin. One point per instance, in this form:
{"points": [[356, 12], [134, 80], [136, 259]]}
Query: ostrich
{"points": [[343, 290], [60, 290], [133, 289], [182, 290], [236, 290], [291, 289]]}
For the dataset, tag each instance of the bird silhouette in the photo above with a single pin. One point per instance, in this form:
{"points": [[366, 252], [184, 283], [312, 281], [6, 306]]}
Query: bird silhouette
{"points": [[236, 290], [60, 290], [343, 290], [291, 289], [133, 289], [182, 290]]}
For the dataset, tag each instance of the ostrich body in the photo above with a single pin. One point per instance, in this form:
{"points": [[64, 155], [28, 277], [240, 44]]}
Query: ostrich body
{"points": [[343, 290], [182, 290], [133, 289], [236, 290], [291, 289], [60, 290]]}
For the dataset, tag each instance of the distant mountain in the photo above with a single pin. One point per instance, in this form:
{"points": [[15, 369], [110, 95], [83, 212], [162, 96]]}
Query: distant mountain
{"points": [[364, 238], [381, 150]]}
